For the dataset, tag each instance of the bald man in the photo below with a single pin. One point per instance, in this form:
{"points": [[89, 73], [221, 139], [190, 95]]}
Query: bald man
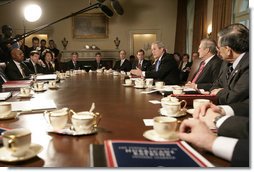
{"points": [[16, 69]]}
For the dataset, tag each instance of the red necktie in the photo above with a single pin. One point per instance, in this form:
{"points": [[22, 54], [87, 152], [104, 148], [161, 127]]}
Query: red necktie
{"points": [[139, 65], [201, 67]]}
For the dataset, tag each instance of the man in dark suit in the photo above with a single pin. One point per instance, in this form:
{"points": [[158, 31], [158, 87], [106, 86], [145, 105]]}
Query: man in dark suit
{"points": [[123, 64], [165, 67], [98, 63], [141, 63], [35, 64], [16, 69], [232, 85], [73, 63], [209, 67], [231, 143]]}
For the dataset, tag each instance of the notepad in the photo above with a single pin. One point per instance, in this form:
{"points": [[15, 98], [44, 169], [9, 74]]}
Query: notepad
{"points": [[5, 95]]}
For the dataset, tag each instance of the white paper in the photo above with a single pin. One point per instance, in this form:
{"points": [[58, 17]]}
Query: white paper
{"points": [[5, 95], [34, 105], [46, 77], [154, 101], [148, 122]]}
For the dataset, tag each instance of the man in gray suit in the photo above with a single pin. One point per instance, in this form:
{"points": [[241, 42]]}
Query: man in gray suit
{"points": [[209, 67], [232, 85]]}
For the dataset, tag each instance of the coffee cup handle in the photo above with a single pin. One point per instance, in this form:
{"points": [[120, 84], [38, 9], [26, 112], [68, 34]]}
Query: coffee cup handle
{"points": [[184, 105], [97, 119], [11, 143], [46, 115]]}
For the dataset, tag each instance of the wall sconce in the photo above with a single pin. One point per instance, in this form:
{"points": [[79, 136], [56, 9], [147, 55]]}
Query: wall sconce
{"points": [[209, 31]]}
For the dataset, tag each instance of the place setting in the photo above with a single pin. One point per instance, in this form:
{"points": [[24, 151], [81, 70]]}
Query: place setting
{"points": [[6, 111], [173, 107], [82, 123], [25, 92], [164, 129], [196, 104], [17, 145], [39, 87], [53, 85], [128, 83]]}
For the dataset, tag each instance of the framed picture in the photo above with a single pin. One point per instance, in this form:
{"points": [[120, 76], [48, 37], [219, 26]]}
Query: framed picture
{"points": [[91, 25]]}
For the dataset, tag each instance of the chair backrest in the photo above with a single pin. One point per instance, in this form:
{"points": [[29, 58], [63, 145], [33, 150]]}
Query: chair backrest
{"points": [[194, 69], [2, 66]]}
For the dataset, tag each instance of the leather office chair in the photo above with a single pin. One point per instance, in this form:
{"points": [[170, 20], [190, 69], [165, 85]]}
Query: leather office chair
{"points": [[194, 69]]}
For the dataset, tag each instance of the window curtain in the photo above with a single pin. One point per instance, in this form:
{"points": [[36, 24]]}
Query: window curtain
{"points": [[222, 13], [181, 27], [200, 23]]}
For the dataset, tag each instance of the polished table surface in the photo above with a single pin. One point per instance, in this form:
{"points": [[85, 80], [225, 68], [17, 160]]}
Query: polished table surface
{"points": [[122, 108]]}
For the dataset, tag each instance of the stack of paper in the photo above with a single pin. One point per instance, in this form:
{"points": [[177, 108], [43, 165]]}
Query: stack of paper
{"points": [[5, 95]]}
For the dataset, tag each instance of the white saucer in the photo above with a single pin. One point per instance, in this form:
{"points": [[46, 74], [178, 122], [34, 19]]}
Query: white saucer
{"points": [[12, 115], [180, 113], [128, 85], [153, 136], [140, 87], [56, 87], [190, 111], [6, 156], [40, 90], [24, 96]]}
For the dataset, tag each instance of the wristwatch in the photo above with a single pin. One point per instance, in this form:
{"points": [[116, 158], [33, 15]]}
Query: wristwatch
{"points": [[215, 120]]}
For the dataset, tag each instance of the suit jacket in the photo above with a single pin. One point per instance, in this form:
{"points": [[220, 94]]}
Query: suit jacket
{"points": [[96, 65], [126, 66], [236, 88], [48, 69], [183, 72], [241, 109], [237, 127], [168, 70], [209, 74], [39, 68], [70, 65], [146, 65], [13, 73]]}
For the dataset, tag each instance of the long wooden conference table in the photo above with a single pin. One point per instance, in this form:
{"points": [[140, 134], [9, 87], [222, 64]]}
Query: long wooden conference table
{"points": [[122, 108]]}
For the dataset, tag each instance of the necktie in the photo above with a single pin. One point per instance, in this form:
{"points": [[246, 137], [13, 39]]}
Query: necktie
{"points": [[157, 65], [139, 65], [201, 67], [35, 69], [22, 70], [230, 70]]}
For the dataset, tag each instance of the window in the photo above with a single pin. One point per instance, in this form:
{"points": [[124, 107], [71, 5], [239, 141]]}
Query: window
{"points": [[241, 12]]}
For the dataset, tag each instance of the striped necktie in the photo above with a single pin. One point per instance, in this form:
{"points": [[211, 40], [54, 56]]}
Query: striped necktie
{"points": [[201, 67]]}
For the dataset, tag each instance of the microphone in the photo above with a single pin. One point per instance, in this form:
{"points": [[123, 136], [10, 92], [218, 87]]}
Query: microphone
{"points": [[100, 1], [117, 7], [106, 10]]}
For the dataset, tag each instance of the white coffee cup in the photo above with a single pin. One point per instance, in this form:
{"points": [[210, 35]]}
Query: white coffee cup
{"points": [[178, 90], [174, 107], [52, 83], [159, 84], [139, 83], [57, 118], [5, 109], [149, 82], [85, 121], [25, 91], [165, 126], [39, 85], [17, 141], [199, 102], [115, 73], [128, 81]]}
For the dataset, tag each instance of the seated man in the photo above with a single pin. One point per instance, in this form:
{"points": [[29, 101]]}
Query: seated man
{"points": [[16, 69], [123, 64], [35, 64], [73, 63], [209, 67], [97, 63], [227, 145], [232, 85], [141, 63], [165, 67]]}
